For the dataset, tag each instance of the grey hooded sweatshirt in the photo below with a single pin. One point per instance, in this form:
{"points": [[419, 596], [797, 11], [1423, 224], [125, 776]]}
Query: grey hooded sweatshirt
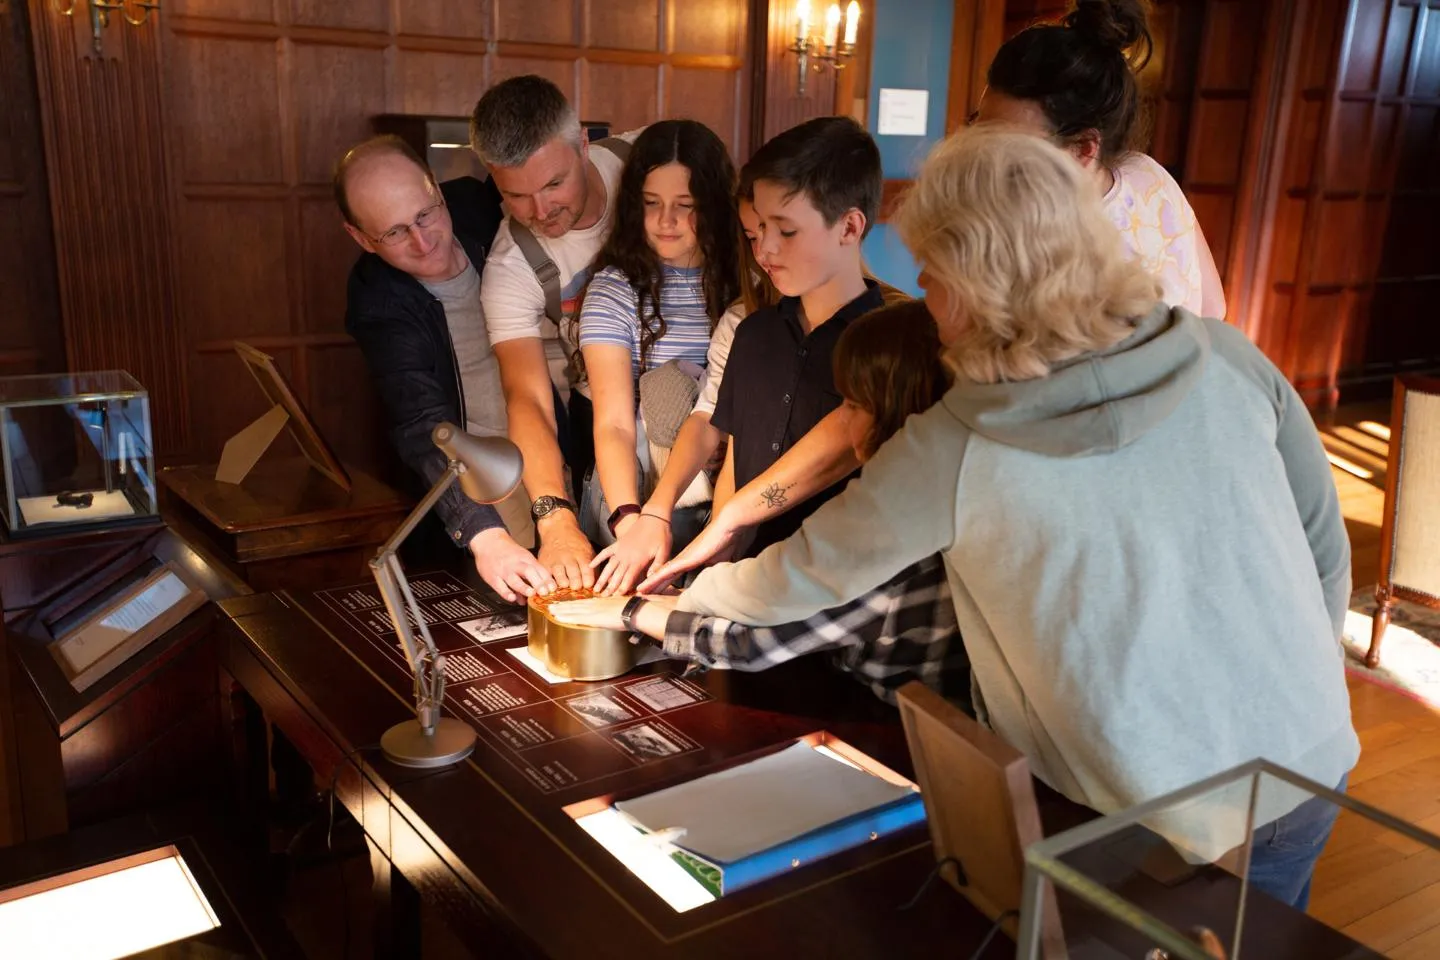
{"points": [[1148, 561]]}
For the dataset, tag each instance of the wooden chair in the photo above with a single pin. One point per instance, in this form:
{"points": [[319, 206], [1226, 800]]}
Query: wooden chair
{"points": [[1410, 529], [980, 805]]}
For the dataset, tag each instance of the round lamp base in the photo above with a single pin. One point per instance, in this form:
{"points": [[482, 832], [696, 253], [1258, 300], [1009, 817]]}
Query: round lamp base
{"points": [[407, 745]]}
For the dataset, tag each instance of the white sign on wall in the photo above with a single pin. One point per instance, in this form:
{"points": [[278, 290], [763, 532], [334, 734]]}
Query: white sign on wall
{"points": [[903, 112]]}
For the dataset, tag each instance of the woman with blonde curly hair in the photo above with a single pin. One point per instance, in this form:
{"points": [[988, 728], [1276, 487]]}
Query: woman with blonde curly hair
{"points": [[1142, 538]]}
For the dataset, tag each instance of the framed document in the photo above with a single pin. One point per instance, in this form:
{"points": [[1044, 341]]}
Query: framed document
{"points": [[90, 644], [245, 448]]}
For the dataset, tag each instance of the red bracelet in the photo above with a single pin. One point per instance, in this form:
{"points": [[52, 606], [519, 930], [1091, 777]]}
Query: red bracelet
{"points": [[620, 513]]}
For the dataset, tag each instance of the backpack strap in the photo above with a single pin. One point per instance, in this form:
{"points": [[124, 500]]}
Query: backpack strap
{"points": [[617, 146], [545, 270]]}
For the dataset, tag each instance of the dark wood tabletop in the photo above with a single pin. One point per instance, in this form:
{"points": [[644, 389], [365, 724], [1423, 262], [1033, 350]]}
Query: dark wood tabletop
{"points": [[490, 841], [493, 844]]}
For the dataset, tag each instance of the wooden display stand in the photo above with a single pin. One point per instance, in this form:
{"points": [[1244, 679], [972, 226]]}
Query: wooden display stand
{"points": [[301, 522], [287, 526], [141, 725]]}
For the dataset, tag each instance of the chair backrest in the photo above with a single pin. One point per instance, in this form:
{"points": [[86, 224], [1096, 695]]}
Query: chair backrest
{"points": [[1410, 531], [980, 804]]}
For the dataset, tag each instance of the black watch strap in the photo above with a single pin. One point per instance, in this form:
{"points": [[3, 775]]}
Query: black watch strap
{"points": [[632, 607], [544, 506]]}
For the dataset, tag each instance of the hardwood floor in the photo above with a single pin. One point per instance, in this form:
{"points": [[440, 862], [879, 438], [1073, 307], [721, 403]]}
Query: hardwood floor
{"points": [[1376, 886]]}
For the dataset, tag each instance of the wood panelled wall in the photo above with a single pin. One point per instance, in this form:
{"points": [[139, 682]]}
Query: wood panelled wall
{"points": [[1362, 299], [188, 168], [1306, 134], [191, 167], [784, 105], [109, 188], [266, 94], [30, 335]]}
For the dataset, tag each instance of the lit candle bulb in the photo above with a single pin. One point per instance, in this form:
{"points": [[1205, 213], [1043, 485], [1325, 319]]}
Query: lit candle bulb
{"points": [[852, 22], [832, 24], [802, 14]]}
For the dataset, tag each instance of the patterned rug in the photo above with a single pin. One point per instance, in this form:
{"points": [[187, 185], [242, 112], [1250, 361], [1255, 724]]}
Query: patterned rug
{"points": [[1410, 655]]}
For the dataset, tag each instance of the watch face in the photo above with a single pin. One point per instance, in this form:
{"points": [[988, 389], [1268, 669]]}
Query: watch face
{"points": [[546, 505]]}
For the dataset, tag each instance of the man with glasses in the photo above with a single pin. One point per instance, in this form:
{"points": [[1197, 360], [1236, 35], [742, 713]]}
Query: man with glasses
{"points": [[413, 305]]}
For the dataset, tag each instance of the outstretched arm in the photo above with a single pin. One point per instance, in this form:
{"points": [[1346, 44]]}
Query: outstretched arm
{"points": [[531, 409], [899, 510], [820, 459]]}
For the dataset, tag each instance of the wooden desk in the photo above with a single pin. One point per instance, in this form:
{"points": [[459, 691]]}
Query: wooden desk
{"points": [[489, 843]]}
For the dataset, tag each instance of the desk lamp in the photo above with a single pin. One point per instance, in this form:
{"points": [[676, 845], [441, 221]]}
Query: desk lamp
{"points": [[489, 469]]}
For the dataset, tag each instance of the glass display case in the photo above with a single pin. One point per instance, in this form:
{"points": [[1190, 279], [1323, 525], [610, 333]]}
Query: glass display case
{"points": [[1172, 879], [76, 450]]}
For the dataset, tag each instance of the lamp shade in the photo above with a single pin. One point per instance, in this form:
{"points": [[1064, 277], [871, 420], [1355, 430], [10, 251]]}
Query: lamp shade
{"points": [[492, 465]]}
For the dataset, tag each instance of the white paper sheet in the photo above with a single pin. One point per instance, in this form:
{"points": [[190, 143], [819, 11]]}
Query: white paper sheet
{"points": [[538, 668], [735, 813], [37, 510], [148, 604], [903, 113], [83, 648]]}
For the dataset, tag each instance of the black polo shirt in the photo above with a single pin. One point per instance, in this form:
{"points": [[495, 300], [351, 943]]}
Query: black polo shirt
{"points": [[779, 383]]}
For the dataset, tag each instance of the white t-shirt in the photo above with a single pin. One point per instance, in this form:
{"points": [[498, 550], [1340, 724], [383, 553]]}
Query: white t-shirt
{"points": [[716, 357], [513, 299]]}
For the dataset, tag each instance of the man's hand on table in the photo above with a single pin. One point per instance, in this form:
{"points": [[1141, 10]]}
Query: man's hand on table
{"points": [[565, 551], [508, 568]]}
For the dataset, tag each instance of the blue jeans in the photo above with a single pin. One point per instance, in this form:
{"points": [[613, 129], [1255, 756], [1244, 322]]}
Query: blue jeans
{"points": [[1283, 853]]}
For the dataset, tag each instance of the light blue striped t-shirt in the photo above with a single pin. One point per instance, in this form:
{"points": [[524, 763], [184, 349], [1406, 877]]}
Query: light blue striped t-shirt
{"points": [[611, 314]]}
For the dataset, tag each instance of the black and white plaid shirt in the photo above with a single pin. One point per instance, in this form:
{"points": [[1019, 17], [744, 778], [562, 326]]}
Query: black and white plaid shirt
{"points": [[902, 630]]}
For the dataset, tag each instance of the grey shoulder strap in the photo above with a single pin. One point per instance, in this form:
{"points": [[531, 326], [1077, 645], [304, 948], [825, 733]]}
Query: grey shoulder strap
{"points": [[545, 270], [621, 148]]}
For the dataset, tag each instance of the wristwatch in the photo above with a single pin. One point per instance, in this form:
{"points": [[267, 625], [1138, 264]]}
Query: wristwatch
{"points": [[544, 506]]}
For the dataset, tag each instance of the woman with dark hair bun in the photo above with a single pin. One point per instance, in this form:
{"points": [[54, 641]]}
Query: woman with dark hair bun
{"points": [[1074, 82]]}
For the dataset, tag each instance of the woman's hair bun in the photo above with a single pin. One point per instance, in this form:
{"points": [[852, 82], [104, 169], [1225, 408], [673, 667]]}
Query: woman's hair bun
{"points": [[1117, 24]]}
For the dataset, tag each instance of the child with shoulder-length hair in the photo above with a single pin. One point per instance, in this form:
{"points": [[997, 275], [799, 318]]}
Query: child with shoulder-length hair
{"points": [[887, 367], [665, 276]]}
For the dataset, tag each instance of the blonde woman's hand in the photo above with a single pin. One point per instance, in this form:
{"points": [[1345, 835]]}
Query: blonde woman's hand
{"points": [[601, 612]]}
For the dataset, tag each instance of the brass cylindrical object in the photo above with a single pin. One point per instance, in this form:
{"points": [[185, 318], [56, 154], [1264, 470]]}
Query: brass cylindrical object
{"points": [[574, 652]]}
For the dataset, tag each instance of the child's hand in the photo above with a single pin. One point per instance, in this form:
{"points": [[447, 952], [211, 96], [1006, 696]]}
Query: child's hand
{"points": [[643, 543], [716, 543]]}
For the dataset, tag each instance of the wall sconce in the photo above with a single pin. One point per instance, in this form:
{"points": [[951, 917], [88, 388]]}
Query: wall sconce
{"points": [[135, 13], [828, 46]]}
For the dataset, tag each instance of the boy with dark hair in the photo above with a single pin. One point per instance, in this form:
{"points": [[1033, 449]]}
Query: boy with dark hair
{"points": [[816, 190]]}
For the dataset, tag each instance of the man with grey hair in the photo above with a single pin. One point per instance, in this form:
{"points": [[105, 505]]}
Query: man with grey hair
{"points": [[559, 195]]}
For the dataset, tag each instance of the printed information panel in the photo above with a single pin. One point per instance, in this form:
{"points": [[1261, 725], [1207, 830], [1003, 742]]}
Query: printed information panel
{"points": [[556, 735]]}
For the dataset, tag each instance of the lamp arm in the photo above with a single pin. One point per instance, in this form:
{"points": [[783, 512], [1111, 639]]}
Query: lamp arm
{"points": [[426, 504], [426, 663]]}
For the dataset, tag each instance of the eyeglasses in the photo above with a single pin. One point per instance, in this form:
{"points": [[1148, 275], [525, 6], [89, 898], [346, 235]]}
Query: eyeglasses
{"points": [[422, 220]]}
